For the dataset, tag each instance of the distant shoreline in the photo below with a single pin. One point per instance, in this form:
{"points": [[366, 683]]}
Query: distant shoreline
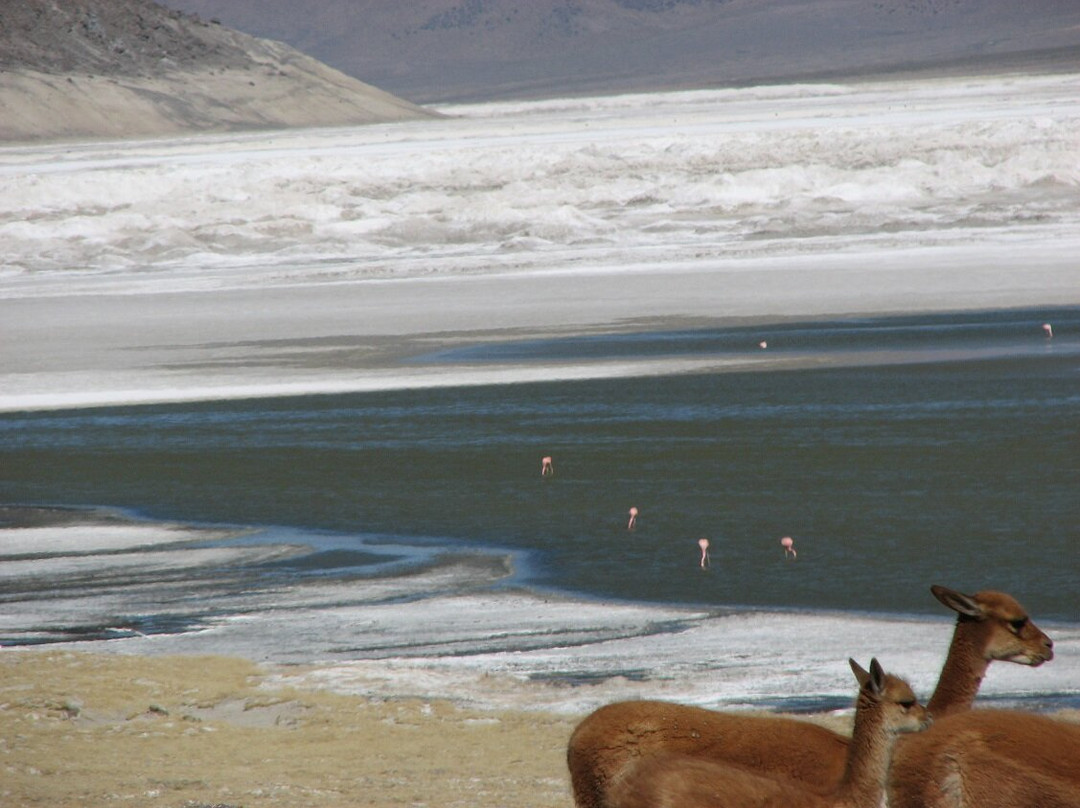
{"points": [[419, 316], [1051, 61]]}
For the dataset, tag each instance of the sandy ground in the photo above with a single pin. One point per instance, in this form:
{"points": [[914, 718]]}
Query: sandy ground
{"points": [[85, 730], [93, 730]]}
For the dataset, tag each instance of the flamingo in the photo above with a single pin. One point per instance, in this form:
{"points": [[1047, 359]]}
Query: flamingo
{"points": [[789, 547], [633, 519], [546, 467], [1049, 329], [763, 345], [704, 545]]}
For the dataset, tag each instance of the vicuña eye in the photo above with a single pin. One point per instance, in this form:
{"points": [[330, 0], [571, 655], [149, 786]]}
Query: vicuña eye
{"points": [[1018, 625], [907, 705]]}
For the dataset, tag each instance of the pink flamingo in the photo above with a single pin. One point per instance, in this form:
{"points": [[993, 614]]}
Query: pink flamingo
{"points": [[546, 467], [789, 547], [704, 545], [633, 519], [763, 345], [1049, 329]]}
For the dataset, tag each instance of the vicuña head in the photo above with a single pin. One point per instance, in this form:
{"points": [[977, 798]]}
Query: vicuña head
{"points": [[1010, 634], [888, 701], [989, 626]]}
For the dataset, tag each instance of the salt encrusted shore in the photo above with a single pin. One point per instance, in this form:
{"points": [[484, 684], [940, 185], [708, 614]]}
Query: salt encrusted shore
{"points": [[61, 348]]}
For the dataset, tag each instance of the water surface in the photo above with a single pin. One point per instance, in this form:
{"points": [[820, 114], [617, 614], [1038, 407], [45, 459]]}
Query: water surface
{"points": [[905, 451]]}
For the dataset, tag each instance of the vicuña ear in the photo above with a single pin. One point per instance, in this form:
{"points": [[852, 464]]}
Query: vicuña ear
{"points": [[861, 675], [958, 601], [877, 677]]}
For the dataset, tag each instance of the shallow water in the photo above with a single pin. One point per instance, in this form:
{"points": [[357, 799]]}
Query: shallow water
{"points": [[948, 452]]}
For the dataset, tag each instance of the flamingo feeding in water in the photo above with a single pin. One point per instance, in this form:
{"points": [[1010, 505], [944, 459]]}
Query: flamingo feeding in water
{"points": [[1049, 329], [789, 547], [546, 467], [704, 545], [633, 519]]}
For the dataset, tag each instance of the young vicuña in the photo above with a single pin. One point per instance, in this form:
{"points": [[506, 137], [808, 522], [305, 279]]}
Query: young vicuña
{"points": [[885, 707]]}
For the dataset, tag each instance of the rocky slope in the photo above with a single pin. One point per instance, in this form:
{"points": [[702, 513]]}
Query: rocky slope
{"points": [[120, 68]]}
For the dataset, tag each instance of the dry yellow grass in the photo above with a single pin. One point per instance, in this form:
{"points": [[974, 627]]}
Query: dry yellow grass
{"points": [[95, 730]]}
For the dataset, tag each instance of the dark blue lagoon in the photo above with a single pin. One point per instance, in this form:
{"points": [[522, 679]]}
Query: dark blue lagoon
{"points": [[897, 452]]}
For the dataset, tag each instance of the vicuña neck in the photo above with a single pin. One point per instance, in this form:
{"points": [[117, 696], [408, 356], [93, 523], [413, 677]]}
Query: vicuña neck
{"points": [[961, 674], [868, 759]]}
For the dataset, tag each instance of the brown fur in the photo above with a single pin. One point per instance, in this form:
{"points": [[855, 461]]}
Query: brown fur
{"points": [[886, 706], [615, 736], [989, 759]]}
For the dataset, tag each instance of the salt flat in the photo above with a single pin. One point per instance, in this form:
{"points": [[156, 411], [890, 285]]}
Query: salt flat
{"points": [[316, 260]]}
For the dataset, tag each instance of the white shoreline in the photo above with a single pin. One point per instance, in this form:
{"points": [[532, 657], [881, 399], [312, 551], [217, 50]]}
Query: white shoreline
{"points": [[124, 347], [449, 630], [210, 267]]}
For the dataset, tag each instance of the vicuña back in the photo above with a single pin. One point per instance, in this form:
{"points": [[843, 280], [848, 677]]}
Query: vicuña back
{"points": [[886, 706]]}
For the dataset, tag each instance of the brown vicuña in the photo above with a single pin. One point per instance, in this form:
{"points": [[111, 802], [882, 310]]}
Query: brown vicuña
{"points": [[989, 626], [885, 707], [990, 759]]}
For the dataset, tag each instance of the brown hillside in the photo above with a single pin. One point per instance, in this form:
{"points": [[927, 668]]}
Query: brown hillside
{"points": [[117, 68]]}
